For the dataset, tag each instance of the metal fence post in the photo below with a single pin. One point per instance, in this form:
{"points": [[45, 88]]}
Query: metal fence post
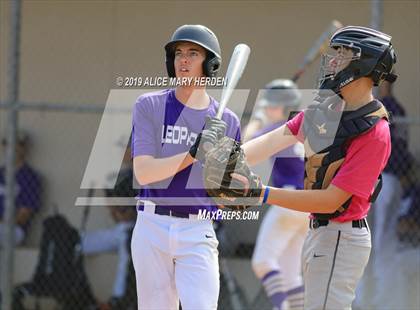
{"points": [[12, 119], [377, 12]]}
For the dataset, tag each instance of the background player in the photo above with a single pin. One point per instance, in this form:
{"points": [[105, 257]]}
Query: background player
{"points": [[28, 195], [174, 254], [276, 259], [339, 178]]}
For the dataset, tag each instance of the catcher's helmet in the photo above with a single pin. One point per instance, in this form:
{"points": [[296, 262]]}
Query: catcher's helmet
{"points": [[372, 55], [202, 36], [280, 92]]}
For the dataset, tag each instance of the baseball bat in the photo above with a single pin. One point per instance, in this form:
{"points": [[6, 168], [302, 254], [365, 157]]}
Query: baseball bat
{"points": [[236, 67], [317, 48], [234, 72]]}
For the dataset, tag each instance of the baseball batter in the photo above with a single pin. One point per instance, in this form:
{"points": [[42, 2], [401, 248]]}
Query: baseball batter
{"points": [[340, 177], [276, 259], [174, 253]]}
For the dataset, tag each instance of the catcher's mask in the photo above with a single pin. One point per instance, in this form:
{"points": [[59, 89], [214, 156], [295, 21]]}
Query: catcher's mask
{"points": [[202, 36], [357, 52]]}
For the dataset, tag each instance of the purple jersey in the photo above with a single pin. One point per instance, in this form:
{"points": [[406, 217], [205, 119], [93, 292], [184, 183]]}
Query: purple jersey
{"points": [[288, 168], [164, 127], [27, 187]]}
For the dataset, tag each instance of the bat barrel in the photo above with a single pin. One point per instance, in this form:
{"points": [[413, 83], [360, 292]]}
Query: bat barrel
{"points": [[234, 72]]}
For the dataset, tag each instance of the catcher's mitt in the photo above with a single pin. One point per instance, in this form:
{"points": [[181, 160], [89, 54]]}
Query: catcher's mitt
{"points": [[238, 191]]}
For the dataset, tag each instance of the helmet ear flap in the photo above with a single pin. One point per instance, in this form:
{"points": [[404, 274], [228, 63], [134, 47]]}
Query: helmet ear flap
{"points": [[383, 68], [211, 66]]}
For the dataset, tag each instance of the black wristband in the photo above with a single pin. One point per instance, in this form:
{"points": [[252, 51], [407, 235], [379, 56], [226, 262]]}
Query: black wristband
{"points": [[194, 148]]}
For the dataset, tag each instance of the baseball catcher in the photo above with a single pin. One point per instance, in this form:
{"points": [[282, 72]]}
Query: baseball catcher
{"points": [[347, 146]]}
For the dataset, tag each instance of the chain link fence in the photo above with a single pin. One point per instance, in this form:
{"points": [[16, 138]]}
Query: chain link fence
{"points": [[63, 266]]}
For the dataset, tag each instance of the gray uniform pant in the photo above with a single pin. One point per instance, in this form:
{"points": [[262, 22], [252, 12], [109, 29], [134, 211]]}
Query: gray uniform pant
{"points": [[333, 260]]}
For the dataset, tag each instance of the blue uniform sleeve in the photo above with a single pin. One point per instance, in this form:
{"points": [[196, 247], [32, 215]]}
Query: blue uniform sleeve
{"points": [[143, 131], [30, 191]]}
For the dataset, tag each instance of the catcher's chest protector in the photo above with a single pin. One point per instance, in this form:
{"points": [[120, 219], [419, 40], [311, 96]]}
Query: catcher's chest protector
{"points": [[327, 135]]}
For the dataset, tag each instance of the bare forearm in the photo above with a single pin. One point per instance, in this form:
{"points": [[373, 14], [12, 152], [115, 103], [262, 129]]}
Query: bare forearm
{"points": [[251, 129], [261, 148], [150, 170], [314, 201]]}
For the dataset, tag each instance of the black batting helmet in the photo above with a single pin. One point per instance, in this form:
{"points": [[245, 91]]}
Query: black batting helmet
{"points": [[372, 55], [202, 36], [280, 92]]}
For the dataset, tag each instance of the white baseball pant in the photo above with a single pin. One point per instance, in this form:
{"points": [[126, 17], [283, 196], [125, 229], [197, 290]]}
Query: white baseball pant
{"points": [[279, 245], [334, 258], [175, 259]]}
